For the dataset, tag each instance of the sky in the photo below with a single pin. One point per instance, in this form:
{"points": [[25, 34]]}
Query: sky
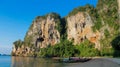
{"points": [[16, 16]]}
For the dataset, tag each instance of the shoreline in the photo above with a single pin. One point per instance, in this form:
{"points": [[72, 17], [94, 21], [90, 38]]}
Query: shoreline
{"points": [[112, 59]]}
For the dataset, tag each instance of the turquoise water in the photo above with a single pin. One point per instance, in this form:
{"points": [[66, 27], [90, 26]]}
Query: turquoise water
{"points": [[5, 61], [8, 61], [34, 62]]}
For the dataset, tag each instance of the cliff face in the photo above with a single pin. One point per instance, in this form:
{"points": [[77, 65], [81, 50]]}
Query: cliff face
{"points": [[118, 4], [119, 12], [98, 25], [43, 31], [79, 28], [109, 21]]}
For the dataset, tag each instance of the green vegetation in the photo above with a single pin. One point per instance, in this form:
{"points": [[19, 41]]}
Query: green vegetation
{"points": [[93, 12], [116, 43], [18, 43], [88, 8], [105, 20], [28, 40], [108, 11], [104, 14], [63, 49], [106, 51], [67, 49], [116, 46], [106, 33], [87, 49]]}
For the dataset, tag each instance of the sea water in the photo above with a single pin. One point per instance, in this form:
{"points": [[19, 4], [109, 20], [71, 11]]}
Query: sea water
{"points": [[10, 61], [5, 61]]}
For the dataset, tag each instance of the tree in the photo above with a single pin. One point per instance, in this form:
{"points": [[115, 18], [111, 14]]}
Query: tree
{"points": [[63, 49], [18, 43], [116, 43]]}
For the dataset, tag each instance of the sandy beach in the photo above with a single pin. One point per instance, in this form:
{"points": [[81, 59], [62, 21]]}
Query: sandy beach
{"points": [[98, 62]]}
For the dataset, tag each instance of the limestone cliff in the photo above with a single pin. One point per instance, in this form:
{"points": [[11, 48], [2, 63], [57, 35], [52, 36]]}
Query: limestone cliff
{"points": [[99, 25], [119, 12], [42, 33], [79, 28]]}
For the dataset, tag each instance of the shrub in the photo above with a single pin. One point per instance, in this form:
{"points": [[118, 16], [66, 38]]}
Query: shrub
{"points": [[107, 52], [62, 49], [106, 33], [87, 49], [18, 43]]}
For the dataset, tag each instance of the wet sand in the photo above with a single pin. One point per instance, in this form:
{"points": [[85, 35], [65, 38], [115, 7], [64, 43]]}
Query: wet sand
{"points": [[98, 62]]}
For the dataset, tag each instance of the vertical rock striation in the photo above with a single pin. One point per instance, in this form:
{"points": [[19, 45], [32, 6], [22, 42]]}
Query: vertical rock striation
{"points": [[79, 28], [43, 31]]}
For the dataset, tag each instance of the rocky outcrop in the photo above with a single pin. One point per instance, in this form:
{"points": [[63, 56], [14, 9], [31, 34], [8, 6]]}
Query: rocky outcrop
{"points": [[119, 10], [23, 51], [43, 31], [79, 28], [119, 6], [97, 25]]}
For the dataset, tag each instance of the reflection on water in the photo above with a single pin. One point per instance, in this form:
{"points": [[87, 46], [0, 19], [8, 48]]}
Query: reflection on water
{"points": [[34, 62], [6, 61]]}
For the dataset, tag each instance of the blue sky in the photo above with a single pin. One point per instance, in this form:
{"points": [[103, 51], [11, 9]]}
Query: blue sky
{"points": [[16, 16]]}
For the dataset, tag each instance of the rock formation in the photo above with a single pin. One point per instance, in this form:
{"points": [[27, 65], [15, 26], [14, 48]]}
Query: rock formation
{"points": [[43, 31], [98, 25], [79, 28], [119, 12], [119, 5]]}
